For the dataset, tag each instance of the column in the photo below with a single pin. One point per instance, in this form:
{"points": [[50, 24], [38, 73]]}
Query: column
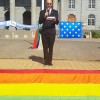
{"points": [[42, 4], [33, 11], [62, 9], [12, 16], [55, 4], [12, 10]]}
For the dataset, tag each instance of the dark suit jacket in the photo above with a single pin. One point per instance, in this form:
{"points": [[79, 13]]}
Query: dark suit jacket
{"points": [[48, 26]]}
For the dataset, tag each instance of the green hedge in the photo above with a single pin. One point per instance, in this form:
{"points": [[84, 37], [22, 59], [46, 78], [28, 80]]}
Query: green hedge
{"points": [[95, 34]]}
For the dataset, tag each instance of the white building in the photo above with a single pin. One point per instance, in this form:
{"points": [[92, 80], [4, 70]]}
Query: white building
{"points": [[27, 11]]}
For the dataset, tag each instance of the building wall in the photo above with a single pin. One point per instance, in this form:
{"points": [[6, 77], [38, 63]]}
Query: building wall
{"points": [[81, 11], [20, 7], [86, 11]]}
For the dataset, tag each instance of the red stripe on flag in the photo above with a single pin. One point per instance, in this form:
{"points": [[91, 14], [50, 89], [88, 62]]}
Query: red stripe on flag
{"points": [[50, 71], [35, 41]]}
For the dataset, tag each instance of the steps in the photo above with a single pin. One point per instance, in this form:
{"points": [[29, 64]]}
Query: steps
{"points": [[17, 34]]}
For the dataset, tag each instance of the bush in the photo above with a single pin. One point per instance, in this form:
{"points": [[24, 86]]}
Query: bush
{"points": [[95, 34]]}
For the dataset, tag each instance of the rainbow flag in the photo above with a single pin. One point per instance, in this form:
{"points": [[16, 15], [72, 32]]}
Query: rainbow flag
{"points": [[36, 39], [49, 84]]}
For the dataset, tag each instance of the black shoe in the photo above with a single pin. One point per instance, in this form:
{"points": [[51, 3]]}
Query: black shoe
{"points": [[50, 64], [45, 63]]}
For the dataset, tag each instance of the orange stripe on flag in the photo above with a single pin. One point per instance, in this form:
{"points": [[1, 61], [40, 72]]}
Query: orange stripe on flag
{"points": [[49, 78]]}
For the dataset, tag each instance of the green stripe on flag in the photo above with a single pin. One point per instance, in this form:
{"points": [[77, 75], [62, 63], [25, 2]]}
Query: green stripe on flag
{"points": [[48, 98], [38, 34]]}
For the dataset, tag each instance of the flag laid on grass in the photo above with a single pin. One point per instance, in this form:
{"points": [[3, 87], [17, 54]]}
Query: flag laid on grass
{"points": [[36, 39], [46, 84]]}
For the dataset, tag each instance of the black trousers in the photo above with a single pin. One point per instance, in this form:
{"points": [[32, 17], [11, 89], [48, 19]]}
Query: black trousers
{"points": [[48, 43]]}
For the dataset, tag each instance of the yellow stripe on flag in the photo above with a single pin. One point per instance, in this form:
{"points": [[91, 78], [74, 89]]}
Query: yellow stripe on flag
{"points": [[39, 89]]}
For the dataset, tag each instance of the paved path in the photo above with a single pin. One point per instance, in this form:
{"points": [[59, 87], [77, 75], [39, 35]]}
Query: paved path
{"points": [[76, 54], [69, 49], [57, 64]]}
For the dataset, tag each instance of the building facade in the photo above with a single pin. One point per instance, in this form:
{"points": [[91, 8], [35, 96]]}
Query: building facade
{"points": [[27, 11]]}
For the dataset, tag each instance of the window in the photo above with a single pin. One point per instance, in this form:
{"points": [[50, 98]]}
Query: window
{"points": [[91, 19], [91, 4], [39, 2], [71, 3]]}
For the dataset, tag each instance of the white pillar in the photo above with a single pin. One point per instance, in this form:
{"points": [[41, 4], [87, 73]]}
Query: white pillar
{"points": [[12, 10], [40, 44], [90, 35], [55, 4], [42, 4], [62, 10], [12, 15], [33, 11]]}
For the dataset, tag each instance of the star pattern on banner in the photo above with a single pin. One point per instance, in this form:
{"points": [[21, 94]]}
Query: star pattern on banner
{"points": [[70, 30]]}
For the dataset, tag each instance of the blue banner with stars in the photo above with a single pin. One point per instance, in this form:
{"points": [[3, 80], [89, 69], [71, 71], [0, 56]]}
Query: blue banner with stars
{"points": [[70, 30]]}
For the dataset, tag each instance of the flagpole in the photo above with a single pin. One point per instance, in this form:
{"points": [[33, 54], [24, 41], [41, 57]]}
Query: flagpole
{"points": [[40, 44], [42, 4]]}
